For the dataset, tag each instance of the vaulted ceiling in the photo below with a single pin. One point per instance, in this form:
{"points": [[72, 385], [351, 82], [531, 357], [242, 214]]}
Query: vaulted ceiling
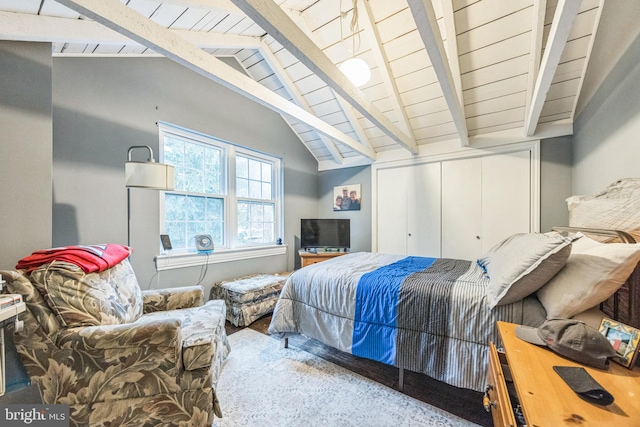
{"points": [[442, 70]]}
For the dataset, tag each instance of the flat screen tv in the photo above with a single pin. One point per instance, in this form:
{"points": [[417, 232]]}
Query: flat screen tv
{"points": [[325, 233]]}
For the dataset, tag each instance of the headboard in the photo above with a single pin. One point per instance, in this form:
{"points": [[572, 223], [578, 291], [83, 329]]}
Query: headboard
{"points": [[624, 305]]}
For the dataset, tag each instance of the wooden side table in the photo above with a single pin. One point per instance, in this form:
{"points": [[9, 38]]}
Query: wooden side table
{"points": [[308, 258], [546, 400]]}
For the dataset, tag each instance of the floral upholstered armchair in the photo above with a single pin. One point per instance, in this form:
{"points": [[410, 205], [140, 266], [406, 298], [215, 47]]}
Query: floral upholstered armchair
{"points": [[118, 355]]}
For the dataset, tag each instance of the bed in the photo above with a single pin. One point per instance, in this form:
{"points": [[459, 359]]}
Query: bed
{"points": [[437, 316]]}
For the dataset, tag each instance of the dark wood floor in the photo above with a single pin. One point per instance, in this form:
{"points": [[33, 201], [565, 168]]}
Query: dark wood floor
{"points": [[464, 403]]}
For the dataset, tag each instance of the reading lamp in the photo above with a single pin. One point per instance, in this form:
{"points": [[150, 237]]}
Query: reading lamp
{"points": [[149, 174]]}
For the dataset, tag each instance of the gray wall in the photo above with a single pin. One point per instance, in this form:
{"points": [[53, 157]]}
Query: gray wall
{"points": [[103, 106], [25, 149], [360, 220], [555, 181], [606, 146]]}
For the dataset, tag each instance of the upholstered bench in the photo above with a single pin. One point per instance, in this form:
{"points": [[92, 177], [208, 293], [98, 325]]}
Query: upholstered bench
{"points": [[249, 297]]}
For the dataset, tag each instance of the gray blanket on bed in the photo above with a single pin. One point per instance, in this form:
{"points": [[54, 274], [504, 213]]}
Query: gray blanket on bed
{"points": [[423, 314]]}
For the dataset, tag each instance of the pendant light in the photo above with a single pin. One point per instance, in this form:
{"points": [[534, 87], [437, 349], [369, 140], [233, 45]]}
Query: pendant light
{"points": [[354, 68]]}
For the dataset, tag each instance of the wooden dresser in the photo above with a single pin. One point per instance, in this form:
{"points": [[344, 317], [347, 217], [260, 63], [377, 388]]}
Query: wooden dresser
{"points": [[308, 258], [546, 400]]}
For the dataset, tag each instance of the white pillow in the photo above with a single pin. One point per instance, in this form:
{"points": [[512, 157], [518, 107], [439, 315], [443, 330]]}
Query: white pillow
{"points": [[593, 272], [521, 264]]}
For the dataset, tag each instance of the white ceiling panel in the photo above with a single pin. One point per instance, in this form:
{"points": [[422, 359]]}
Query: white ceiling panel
{"points": [[403, 107]]}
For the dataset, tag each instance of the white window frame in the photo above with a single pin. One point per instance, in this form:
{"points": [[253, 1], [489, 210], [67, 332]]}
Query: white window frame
{"points": [[231, 251]]}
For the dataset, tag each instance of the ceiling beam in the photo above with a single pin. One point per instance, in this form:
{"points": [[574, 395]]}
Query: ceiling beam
{"points": [[303, 23], [537, 32], [123, 19], [293, 91], [349, 112], [452, 43], [427, 24], [368, 26], [594, 33], [270, 17], [38, 28], [566, 12]]}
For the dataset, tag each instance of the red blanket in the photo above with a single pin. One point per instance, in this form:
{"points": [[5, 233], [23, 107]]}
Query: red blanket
{"points": [[90, 259]]}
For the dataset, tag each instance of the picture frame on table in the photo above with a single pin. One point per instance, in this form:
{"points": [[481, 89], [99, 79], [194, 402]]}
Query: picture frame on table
{"points": [[624, 339]]}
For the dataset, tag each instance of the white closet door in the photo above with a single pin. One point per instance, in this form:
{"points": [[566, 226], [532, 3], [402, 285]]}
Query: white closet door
{"points": [[461, 209], [392, 210], [454, 208], [506, 196], [423, 213]]}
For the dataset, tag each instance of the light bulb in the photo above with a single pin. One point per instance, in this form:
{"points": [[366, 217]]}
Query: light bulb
{"points": [[356, 70]]}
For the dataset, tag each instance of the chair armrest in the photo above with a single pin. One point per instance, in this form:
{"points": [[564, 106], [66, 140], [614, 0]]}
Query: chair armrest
{"points": [[172, 298], [157, 333]]}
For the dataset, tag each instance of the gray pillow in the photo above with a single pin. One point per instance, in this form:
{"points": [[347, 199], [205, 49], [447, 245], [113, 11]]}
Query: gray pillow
{"points": [[521, 264]]}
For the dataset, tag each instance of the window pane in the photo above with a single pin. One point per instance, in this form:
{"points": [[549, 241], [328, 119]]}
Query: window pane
{"points": [[242, 187], [243, 233], [176, 232], [193, 181], [266, 191], [243, 223], [268, 232], [213, 171], [266, 172], [175, 207], [255, 190], [242, 167], [256, 232], [256, 212], [193, 229], [269, 213], [256, 224], [173, 151], [179, 174], [215, 230], [198, 168], [194, 156], [196, 208], [243, 212], [215, 209], [254, 170]]}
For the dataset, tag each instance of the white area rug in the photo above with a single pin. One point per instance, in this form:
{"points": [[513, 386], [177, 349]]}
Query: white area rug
{"points": [[263, 384]]}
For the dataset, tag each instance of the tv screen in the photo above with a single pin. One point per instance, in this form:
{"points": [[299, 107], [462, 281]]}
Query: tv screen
{"points": [[325, 233]]}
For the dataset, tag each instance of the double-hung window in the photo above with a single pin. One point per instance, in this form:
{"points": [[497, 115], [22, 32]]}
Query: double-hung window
{"points": [[223, 190]]}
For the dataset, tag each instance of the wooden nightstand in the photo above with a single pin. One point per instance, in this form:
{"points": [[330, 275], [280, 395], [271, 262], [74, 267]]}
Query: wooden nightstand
{"points": [[308, 258], [546, 400]]}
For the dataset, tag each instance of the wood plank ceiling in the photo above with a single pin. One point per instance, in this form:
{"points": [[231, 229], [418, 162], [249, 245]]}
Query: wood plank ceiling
{"points": [[442, 70]]}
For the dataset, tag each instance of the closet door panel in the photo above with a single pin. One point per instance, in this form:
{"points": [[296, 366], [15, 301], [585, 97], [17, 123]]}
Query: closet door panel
{"points": [[506, 197], [457, 208], [423, 213], [391, 227], [461, 209]]}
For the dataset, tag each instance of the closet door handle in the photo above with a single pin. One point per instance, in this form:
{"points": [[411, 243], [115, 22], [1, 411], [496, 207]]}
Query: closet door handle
{"points": [[478, 237]]}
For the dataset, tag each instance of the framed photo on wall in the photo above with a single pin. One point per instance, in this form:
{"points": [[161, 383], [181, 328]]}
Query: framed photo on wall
{"points": [[347, 197], [624, 340]]}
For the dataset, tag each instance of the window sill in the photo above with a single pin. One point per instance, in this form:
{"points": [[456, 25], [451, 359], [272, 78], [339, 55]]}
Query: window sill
{"points": [[192, 259]]}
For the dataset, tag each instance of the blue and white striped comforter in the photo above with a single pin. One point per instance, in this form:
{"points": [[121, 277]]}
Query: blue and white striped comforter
{"points": [[427, 315]]}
